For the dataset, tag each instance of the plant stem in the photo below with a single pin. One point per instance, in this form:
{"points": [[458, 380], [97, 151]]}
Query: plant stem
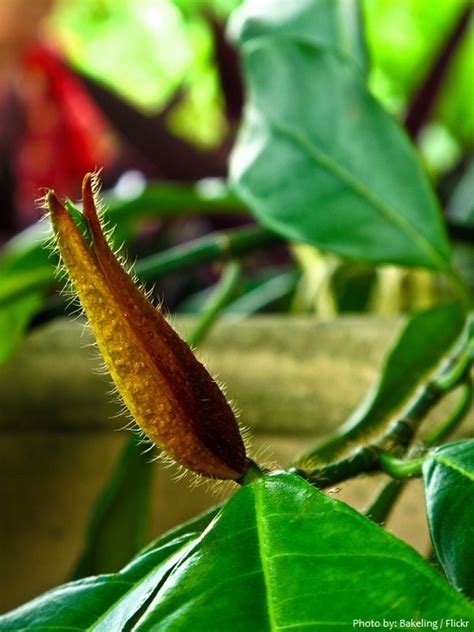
{"points": [[364, 461], [400, 433], [450, 376], [252, 474], [457, 415], [456, 374], [399, 469], [380, 508], [216, 302], [220, 245], [460, 286], [169, 200]]}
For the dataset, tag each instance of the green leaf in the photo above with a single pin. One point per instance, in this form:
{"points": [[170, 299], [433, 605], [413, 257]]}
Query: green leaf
{"points": [[333, 24], [318, 160], [119, 523], [14, 319], [194, 526], [280, 555], [448, 476], [421, 346], [25, 264], [107, 602], [102, 603]]}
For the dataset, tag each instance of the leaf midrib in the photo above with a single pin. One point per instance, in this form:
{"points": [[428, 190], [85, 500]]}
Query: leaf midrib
{"points": [[264, 560], [389, 213], [453, 466]]}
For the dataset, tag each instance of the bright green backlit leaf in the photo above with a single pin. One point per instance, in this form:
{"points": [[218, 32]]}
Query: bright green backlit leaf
{"points": [[280, 555]]}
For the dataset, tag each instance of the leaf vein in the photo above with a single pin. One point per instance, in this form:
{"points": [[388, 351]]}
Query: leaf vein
{"points": [[264, 560], [444, 461], [321, 159]]}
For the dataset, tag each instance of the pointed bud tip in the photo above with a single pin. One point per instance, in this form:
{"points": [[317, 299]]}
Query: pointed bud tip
{"points": [[54, 204], [87, 183], [88, 202]]}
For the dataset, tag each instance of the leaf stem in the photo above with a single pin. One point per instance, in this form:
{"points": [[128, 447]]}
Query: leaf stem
{"points": [[364, 461], [463, 406], [253, 473], [456, 373], [399, 469], [380, 508], [460, 286], [219, 245], [450, 375], [217, 301], [400, 432]]}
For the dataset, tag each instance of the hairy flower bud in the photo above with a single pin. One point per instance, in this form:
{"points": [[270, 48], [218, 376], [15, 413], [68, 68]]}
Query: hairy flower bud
{"points": [[167, 390]]}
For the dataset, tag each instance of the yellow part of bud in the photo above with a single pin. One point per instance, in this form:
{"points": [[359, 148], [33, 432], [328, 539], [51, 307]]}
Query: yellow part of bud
{"points": [[167, 390]]}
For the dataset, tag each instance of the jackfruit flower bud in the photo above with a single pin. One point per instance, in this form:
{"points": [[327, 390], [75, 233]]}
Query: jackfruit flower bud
{"points": [[167, 390]]}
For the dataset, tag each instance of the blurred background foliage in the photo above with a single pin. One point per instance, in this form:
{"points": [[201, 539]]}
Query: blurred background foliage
{"points": [[165, 83], [155, 47]]}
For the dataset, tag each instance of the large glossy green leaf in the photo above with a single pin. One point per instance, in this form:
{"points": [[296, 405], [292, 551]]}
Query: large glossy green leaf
{"points": [[318, 160], [120, 595], [102, 603], [280, 555], [195, 527], [119, 523], [421, 346], [449, 490]]}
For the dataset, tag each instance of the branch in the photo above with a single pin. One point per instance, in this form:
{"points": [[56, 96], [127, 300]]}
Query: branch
{"points": [[218, 245], [424, 100], [384, 454], [216, 303]]}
